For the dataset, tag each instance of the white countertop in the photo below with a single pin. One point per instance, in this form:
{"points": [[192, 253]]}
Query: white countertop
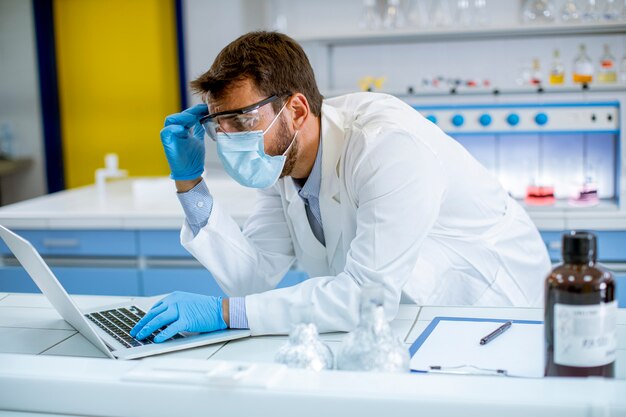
{"points": [[46, 366], [151, 203]]}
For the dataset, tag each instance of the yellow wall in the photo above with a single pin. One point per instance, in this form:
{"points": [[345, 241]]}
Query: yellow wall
{"points": [[118, 79]]}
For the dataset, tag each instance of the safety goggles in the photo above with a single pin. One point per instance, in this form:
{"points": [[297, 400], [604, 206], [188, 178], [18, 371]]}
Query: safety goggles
{"points": [[235, 121]]}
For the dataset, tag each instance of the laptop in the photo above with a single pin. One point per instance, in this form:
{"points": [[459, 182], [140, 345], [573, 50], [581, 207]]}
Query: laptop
{"points": [[106, 327]]}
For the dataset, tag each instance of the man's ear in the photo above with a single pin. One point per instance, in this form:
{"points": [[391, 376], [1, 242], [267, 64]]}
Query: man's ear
{"points": [[299, 107]]}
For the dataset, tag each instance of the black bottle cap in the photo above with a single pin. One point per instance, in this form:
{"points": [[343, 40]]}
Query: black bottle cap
{"points": [[579, 247]]}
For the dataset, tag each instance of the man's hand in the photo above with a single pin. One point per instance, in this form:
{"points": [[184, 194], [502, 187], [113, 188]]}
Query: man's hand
{"points": [[180, 312], [183, 142]]}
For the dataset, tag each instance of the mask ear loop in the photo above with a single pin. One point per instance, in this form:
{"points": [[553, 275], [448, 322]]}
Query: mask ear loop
{"points": [[293, 140], [275, 118]]}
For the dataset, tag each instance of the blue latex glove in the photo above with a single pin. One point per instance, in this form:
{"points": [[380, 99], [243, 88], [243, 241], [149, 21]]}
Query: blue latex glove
{"points": [[183, 142], [181, 311]]}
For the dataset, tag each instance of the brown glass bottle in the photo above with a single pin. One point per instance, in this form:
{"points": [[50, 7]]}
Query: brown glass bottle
{"points": [[580, 312]]}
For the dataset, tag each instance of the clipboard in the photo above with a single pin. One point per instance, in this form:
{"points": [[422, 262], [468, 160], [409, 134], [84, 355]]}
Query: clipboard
{"points": [[452, 345]]}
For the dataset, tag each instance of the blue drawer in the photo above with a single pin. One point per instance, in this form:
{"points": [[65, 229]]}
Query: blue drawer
{"points": [[165, 280], [198, 280], [91, 281], [80, 242], [611, 245], [164, 243]]}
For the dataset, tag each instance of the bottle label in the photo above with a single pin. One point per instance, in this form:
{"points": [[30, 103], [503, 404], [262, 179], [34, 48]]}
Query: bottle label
{"points": [[585, 335]]}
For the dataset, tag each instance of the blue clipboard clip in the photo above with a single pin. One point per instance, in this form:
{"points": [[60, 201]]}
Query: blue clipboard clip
{"points": [[466, 370]]}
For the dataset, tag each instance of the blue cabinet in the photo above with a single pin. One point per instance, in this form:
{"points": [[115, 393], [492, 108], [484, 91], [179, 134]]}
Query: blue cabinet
{"points": [[198, 280], [79, 242], [161, 243], [89, 281], [611, 245]]}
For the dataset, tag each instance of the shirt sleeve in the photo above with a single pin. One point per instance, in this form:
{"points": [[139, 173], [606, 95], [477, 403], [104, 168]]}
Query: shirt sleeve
{"points": [[197, 204], [237, 313]]}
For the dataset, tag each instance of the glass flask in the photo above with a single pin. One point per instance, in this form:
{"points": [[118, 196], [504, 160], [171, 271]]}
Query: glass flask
{"points": [[481, 16], [591, 11], [372, 346], [371, 18], [304, 349], [440, 13], [538, 11], [394, 15], [611, 11], [557, 71], [583, 68], [464, 15], [570, 12], [607, 72]]}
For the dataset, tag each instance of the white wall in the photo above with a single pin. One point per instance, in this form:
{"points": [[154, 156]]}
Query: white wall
{"points": [[19, 98]]}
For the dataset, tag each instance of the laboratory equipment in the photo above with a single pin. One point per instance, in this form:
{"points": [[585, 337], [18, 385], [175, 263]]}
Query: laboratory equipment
{"points": [[110, 170], [583, 67], [580, 312], [536, 77], [464, 12], [440, 13], [557, 71], [542, 152], [570, 12], [538, 11], [611, 11], [394, 15], [372, 346], [607, 72], [370, 19], [304, 349], [590, 11], [481, 16]]}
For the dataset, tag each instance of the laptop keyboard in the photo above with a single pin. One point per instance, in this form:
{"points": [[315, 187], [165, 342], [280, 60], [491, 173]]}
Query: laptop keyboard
{"points": [[118, 323]]}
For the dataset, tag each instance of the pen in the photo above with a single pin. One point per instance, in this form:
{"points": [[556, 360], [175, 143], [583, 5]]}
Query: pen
{"points": [[495, 333]]}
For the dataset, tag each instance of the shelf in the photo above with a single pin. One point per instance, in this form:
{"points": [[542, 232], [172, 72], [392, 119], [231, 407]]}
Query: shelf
{"points": [[494, 91], [415, 35]]}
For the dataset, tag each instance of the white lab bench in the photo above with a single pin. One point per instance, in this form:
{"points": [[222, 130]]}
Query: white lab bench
{"points": [[47, 368]]}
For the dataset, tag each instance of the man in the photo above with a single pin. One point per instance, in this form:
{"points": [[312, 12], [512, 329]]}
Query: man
{"points": [[358, 189]]}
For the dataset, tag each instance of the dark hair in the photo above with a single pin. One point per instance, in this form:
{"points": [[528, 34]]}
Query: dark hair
{"points": [[274, 62]]}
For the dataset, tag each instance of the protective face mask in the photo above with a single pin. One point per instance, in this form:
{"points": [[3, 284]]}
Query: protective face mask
{"points": [[244, 158]]}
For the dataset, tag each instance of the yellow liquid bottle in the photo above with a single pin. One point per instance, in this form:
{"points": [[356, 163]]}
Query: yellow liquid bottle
{"points": [[607, 72], [557, 72], [583, 68]]}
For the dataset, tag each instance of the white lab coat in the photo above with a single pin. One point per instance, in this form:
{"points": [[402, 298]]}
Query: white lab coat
{"points": [[402, 204]]}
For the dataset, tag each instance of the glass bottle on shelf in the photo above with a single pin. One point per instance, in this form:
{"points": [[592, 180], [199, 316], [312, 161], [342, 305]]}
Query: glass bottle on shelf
{"points": [[570, 12], [440, 13], [415, 13], [370, 18], [591, 11], [538, 11], [304, 349], [611, 10], [394, 15], [580, 312], [583, 68], [536, 77], [481, 16], [372, 346], [607, 72], [557, 71], [464, 13]]}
